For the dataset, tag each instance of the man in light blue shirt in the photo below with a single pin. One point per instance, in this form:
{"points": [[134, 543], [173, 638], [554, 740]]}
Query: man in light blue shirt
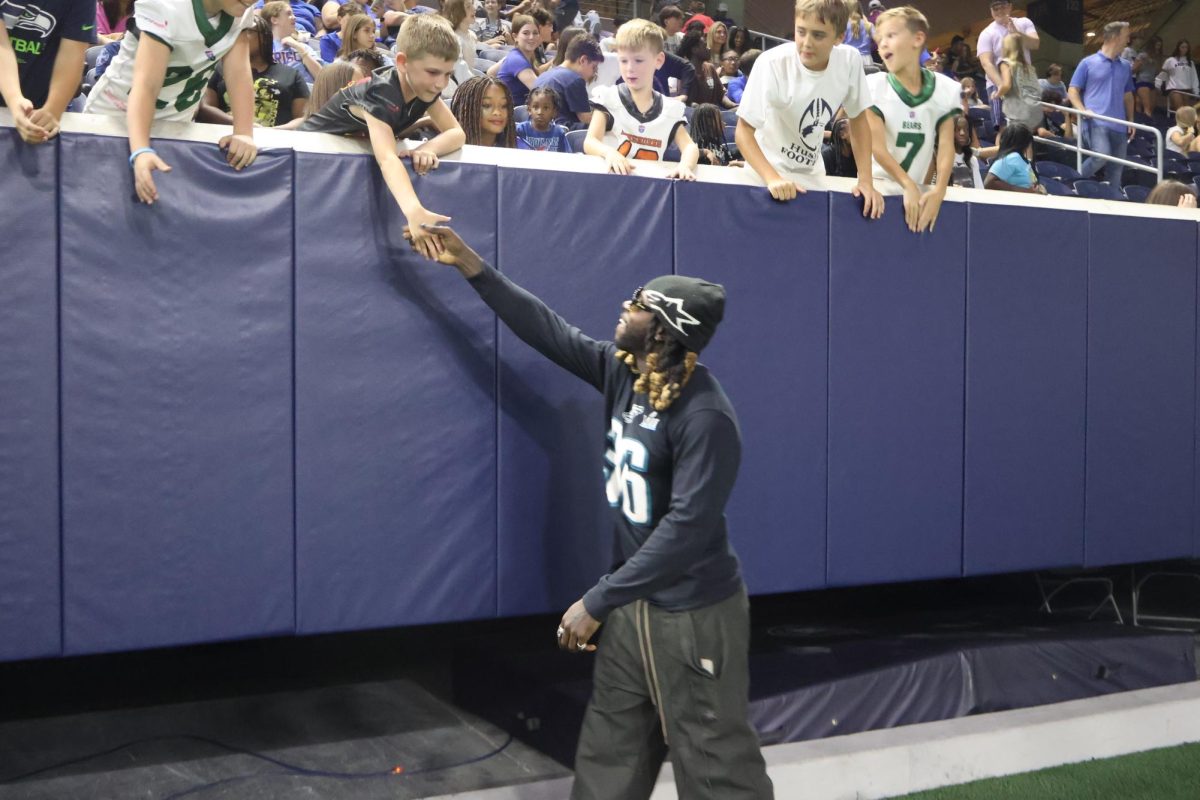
{"points": [[1103, 84]]}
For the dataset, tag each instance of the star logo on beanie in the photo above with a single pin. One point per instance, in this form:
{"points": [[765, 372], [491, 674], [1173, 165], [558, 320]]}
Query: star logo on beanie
{"points": [[671, 308]]}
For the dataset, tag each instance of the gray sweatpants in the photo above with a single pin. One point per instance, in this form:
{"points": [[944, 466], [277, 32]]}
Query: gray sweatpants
{"points": [[676, 680]]}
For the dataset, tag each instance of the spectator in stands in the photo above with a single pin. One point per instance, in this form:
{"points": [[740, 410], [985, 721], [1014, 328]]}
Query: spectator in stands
{"points": [[860, 33], [565, 14], [966, 166], [671, 18], [717, 40], [990, 47], [644, 122], [111, 18], [280, 93], [483, 106], [388, 104], [1019, 88], [1103, 84], [740, 41], [367, 61], [738, 85], [1172, 193], [970, 94], [540, 132], [1181, 83], [707, 87], [1012, 170], [1182, 137], [837, 152], [518, 70], [678, 68], [331, 42], [1146, 67], [1057, 123], [957, 58], [722, 15], [708, 132], [1053, 81], [729, 69], [183, 51], [40, 84], [785, 108], [697, 9], [570, 81], [329, 11], [492, 29], [565, 37], [547, 36], [286, 47], [308, 17], [461, 16], [358, 33], [333, 78], [874, 9]]}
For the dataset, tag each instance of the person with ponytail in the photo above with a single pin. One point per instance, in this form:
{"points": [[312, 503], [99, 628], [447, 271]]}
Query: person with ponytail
{"points": [[674, 590]]}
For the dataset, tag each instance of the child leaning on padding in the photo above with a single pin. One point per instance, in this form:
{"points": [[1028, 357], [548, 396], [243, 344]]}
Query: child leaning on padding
{"points": [[642, 120], [391, 102], [794, 91], [161, 74], [912, 116]]}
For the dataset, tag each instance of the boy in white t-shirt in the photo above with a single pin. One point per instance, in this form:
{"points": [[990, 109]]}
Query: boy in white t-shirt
{"points": [[794, 92], [913, 114]]}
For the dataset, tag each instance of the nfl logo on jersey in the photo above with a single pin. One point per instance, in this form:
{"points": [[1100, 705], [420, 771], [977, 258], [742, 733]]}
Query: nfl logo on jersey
{"points": [[209, 55], [912, 115], [641, 128]]}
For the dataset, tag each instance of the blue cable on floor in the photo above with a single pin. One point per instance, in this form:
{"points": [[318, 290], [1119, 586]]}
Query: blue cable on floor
{"points": [[289, 770]]}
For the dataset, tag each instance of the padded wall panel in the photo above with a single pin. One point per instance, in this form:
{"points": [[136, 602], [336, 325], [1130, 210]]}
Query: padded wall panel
{"points": [[1141, 390], [896, 330], [395, 404], [770, 356], [30, 620], [555, 531], [177, 399], [1026, 389]]}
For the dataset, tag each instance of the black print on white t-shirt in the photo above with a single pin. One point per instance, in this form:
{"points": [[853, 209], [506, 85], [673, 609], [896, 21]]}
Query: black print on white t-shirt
{"points": [[813, 122]]}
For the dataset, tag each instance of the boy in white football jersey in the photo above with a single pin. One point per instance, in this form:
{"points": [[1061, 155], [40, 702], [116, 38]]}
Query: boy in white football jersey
{"points": [[642, 120], [161, 72], [913, 111], [794, 91]]}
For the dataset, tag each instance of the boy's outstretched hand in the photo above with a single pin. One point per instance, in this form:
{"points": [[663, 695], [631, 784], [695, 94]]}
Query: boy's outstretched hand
{"points": [[451, 250]]}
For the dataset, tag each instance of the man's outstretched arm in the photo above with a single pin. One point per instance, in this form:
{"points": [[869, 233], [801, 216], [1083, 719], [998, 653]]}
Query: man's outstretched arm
{"points": [[525, 315]]}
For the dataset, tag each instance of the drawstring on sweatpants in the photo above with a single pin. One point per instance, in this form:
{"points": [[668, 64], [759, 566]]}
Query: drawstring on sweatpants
{"points": [[641, 610]]}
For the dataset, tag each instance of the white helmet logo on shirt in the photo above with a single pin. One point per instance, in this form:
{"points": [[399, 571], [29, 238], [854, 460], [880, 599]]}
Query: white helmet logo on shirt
{"points": [[813, 122]]}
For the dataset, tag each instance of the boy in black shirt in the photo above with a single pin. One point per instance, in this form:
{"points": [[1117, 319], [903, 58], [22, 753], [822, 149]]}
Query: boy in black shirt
{"points": [[672, 667], [391, 101], [41, 60]]}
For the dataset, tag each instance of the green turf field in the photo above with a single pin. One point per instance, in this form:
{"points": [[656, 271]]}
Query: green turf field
{"points": [[1169, 774]]}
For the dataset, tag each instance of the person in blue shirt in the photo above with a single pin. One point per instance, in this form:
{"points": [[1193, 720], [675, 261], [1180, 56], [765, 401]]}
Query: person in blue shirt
{"points": [[286, 47], [1012, 171], [570, 81], [1103, 84], [738, 85], [540, 132]]}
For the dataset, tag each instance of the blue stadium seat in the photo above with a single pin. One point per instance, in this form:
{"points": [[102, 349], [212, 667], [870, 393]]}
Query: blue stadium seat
{"points": [[729, 116], [575, 139], [981, 116], [1137, 194], [1057, 187], [1195, 182], [1193, 156], [671, 154], [1100, 190], [520, 114], [687, 112], [1052, 169], [729, 133]]}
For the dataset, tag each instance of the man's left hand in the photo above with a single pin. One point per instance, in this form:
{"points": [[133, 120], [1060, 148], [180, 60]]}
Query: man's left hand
{"points": [[576, 629]]}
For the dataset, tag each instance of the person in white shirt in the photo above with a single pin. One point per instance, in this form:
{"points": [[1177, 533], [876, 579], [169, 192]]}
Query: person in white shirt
{"points": [[1182, 138], [991, 47], [1180, 72], [794, 92]]}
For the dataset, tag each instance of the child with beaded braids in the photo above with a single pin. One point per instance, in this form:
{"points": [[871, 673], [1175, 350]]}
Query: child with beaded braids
{"points": [[672, 667]]}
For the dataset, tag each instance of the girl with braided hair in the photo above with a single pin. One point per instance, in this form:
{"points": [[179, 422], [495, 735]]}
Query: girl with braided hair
{"points": [[483, 106], [672, 666]]}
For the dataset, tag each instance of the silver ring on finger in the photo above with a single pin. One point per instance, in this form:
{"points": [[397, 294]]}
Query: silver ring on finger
{"points": [[581, 646], [561, 631]]}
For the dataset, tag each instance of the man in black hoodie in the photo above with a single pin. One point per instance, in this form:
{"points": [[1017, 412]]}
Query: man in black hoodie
{"points": [[671, 670]]}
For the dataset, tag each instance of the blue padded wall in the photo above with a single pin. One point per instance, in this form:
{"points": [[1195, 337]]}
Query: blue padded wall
{"points": [[770, 356], [1141, 390], [30, 623], [896, 329], [177, 399], [1026, 387], [395, 405], [555, 536]]}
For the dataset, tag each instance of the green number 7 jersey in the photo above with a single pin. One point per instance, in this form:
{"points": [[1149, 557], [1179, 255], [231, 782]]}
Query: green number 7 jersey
{"points": [[912, 121], [197, 41]]}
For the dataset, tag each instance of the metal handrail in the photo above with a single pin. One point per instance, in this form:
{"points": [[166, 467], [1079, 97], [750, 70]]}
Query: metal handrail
{"points": [[765, 37], [1169, 92], [1080, 150]]}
